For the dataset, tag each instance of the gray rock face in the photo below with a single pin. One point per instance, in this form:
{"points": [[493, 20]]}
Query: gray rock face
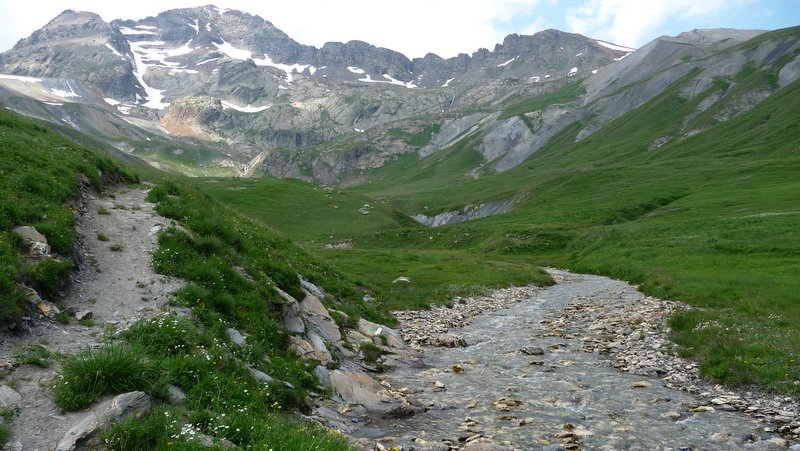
{"points": [[235, 337], [468, 213], [80, 46], [318, 320], [102, 416]]}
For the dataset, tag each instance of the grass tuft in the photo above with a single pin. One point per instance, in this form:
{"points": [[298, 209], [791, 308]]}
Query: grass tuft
{"points": [[91, 375]]}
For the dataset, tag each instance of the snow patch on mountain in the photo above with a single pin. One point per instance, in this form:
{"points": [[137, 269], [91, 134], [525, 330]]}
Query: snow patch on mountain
{"points": [[391, 81], [206, 61], [244, 109], [611, 46], [110, 101], [447, 83], [507, 62], [243, 55], [20, 78], [65, 94], [356, 70], [144, 50], [134, 32], [195, 25], [110, 47]]}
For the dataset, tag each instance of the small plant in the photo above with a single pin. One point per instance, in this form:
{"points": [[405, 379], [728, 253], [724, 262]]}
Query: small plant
{"points": [[115, 248], [111, 370], [103, 211], [92, 301], [370, 352], [102, 237], [5, 433], [86, 322], [140, 284], [120, 207], [35, 355], [62, 317]]}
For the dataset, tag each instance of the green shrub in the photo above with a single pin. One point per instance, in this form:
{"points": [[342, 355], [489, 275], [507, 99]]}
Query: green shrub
{"points": [[34, 355], [108, 371], [48, 276], [62, 317], [370, 351]]}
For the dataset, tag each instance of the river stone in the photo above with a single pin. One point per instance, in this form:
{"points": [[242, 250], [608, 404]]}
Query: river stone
{"points": [[532, 350], [393, 338], [310, 287], [485, 447], [175, 395], [84, 314], [321, 352], [260, 376], [424, 445], [9, 397], [319, 320], [37, 243], [291, 317], [301, 348], [235, 337], [448, 341], [358, 388], [101, 416]]}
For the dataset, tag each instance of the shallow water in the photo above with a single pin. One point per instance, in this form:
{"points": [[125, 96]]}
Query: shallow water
{"points": [[564, 397]]}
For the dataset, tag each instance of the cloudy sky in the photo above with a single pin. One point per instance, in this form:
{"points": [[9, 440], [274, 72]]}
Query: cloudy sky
{"points": [[444, 27]]}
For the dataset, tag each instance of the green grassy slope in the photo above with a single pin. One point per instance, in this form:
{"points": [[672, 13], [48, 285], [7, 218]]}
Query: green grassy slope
{"points": [[38, 175], [231, 264], [316, 216]]}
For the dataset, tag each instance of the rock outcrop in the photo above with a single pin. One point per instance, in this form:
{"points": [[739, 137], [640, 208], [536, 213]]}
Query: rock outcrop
{"points": [[102, 416]]}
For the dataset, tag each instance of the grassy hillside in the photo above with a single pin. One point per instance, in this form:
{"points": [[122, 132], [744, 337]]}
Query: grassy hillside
{"points": [[38, 175], [232, 265], [320, 217]]}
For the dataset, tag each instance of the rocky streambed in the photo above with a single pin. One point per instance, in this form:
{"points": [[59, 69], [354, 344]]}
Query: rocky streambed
{"points": [[584, 364]]}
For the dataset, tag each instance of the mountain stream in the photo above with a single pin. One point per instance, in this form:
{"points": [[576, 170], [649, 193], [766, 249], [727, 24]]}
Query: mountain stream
{"points": [[518, 385]]}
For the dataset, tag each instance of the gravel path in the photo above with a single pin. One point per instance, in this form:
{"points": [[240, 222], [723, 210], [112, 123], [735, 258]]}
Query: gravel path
{"points": [[116, 282]]}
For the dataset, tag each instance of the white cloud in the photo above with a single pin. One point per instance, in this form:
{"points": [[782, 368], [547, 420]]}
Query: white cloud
{"points": [[631, 22]]}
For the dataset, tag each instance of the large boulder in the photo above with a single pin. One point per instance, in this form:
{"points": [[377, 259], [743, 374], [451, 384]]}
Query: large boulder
{"points": [[318, 319], [392, 337], [102, 416], [37, 243]]}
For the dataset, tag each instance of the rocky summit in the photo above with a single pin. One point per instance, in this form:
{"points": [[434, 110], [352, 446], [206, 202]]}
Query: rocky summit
{"points": [[233, 82]]}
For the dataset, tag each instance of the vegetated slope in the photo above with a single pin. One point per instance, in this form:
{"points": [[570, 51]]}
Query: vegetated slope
{"points": [[708, 217], [233, 267], [39, 175]]}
